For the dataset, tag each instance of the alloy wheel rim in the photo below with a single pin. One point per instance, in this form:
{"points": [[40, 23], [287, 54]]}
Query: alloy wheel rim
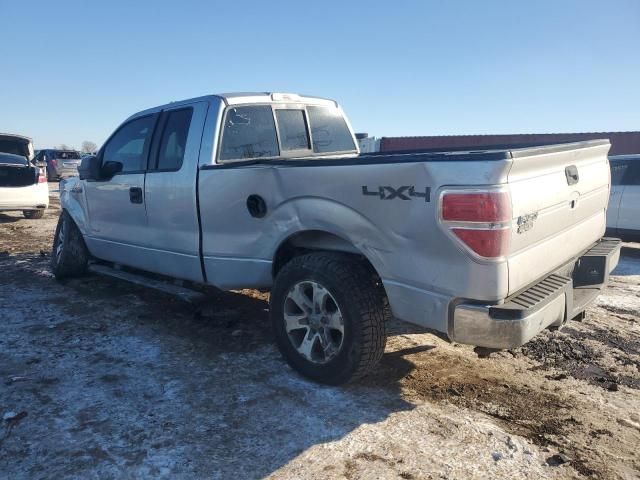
{"points": [[313, 322], [59, 246]]}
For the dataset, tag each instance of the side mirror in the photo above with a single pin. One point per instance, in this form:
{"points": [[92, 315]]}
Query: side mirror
{"points": [[110, 168], [89, 168]]}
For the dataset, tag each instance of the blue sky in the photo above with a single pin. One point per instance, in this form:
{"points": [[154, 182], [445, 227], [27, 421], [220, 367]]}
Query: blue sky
{"points": [[73, 70]]}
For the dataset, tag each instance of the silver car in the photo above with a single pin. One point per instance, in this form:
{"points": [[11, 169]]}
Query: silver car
{"points": [[59, 163]]}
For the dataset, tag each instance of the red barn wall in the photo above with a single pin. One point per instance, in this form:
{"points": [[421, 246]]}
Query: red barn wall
{"points": [[622, 143]]}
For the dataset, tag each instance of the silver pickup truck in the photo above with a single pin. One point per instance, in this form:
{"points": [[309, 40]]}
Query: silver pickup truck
{"points": [[267, 190]]}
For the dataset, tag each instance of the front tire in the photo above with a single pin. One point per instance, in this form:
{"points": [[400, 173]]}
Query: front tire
{"points": [[69, 257], [328, 317], [33, 214]]}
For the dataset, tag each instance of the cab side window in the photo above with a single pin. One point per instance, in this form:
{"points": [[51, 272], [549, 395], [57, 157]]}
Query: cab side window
{"points": [[130, 144], [174, 139]]}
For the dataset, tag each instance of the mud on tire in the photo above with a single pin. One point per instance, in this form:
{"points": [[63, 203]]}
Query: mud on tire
{"points": [[351, 286], [69, 256]]}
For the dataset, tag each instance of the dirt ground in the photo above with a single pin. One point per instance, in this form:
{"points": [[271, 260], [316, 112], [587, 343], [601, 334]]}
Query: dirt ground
{"points": [[102, 379]]}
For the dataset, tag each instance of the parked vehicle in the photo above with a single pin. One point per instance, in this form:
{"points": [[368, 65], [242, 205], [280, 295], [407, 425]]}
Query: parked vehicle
{"points": [[59, 163], [23, 186], [623, 215], [269, 191]]}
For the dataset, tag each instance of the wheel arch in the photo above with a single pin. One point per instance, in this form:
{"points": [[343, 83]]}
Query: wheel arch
{"points": [[308, 241]]}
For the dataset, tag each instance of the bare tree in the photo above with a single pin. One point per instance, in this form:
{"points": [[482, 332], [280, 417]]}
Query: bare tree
{"points": [[88, 147], [64, 146]]}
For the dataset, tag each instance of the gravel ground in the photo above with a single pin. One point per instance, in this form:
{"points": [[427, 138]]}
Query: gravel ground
{"points": [[102, 379]]}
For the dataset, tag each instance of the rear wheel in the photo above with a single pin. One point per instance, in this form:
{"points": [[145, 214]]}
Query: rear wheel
{"points": [[328, 317], [69, 257], [33, 214]]}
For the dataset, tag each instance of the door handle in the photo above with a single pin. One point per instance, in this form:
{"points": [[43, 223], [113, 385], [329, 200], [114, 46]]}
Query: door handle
{"points": [[571, 172], [135, 194]]}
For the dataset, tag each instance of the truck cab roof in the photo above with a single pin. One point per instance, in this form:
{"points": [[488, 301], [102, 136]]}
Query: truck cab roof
{"points": [[239, 98], [246, 98]]}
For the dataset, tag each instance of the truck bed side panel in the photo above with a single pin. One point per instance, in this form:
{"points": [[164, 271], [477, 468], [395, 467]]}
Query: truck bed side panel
{"points": [[395, 230]]}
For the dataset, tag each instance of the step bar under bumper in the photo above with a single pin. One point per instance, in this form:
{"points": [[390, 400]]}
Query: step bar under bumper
{"points": [[559, 297]]}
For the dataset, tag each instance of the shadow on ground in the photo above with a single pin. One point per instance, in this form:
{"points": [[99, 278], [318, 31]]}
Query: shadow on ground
{"points": [[8, 218], [117, 380]]}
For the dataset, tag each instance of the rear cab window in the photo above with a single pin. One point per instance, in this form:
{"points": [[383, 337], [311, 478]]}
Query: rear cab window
{"points": [[249, 132], [292, 126], [329, 130], [285, 131]]}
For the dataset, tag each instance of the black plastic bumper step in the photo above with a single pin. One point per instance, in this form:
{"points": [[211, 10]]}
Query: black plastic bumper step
{"points": [[533, 298]]}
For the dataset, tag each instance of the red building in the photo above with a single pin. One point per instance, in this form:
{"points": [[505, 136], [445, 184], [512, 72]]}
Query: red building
{"points": [[622, 143]]}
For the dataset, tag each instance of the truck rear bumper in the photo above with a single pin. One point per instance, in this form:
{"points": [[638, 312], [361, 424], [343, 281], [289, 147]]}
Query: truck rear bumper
{"points": [[560, 296]]}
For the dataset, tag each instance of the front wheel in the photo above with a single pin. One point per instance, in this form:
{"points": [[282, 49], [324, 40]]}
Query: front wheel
{"points": [[328, 317], [69, 257]]}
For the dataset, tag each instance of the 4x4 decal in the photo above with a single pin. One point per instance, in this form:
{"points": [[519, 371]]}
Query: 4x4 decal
{"points": [[405, 192]]}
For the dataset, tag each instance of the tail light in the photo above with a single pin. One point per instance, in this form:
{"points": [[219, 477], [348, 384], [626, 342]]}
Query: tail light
{"points": [[42, 178], [479, 220], [53, 163]]}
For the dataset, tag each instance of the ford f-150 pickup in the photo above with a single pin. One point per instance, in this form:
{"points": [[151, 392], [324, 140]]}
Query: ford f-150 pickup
{"points": [[268, 190]]}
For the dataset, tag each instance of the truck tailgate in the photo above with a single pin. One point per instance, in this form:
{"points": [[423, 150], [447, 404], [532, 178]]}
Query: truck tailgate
{"points": [[559, 202]]}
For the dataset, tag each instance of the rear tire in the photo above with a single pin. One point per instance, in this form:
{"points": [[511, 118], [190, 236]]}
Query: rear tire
{"points": [[328, 317], [69, 257], [33, 214]]}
